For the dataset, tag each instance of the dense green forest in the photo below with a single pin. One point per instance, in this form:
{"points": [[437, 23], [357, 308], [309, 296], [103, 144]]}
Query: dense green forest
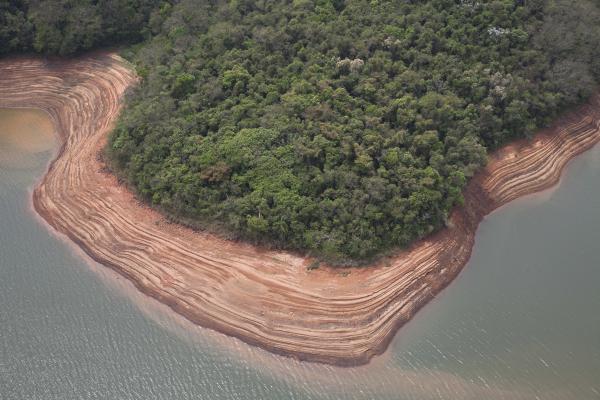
{"points": [[68, 26], [342, 128]]}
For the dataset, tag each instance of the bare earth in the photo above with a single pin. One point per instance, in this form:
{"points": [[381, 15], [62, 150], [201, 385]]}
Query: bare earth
{"points": [[263, 297]]}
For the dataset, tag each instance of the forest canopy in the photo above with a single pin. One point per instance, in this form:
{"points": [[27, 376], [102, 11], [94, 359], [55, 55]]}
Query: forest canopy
{"points": [[68, 26], [341, 128]]}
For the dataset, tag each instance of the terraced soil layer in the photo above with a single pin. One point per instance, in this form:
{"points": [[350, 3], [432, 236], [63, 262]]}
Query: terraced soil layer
{"points": [[266, 298]]}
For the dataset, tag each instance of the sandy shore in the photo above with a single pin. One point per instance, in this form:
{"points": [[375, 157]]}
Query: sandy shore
{"points": [[263, 297]]}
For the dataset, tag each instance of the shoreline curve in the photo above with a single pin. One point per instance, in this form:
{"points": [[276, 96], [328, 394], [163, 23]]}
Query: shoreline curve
{"points": [[264, 297]]}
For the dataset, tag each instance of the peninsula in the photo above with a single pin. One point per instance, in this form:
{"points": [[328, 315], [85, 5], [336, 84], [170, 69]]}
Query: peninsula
{"points": [[267, 298]]}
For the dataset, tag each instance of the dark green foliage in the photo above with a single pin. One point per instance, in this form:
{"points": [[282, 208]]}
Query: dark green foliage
{"points": [[344, 128], [570, 35], [68, 26], [341, 128], [15, 29]]}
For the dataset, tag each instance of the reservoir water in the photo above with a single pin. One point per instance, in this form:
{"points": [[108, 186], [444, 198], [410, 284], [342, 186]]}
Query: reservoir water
{"points": [[522, 321]]}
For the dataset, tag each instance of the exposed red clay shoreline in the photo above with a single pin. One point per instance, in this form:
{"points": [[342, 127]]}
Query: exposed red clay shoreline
{"points": [[266, 298]]}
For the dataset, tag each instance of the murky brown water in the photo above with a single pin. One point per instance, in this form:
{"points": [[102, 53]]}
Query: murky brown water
{"points": [[24, 133]]}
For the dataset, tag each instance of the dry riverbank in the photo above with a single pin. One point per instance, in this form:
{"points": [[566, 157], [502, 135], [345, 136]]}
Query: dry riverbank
{"points": [[265, 298]]}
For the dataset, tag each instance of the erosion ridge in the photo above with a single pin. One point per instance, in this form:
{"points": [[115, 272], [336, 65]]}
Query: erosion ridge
{"points": [[266, 298]]}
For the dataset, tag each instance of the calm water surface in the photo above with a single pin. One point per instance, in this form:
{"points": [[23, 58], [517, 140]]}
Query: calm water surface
{"points": [[521, 322]]}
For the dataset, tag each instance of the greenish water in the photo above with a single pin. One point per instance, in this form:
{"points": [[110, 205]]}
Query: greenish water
{"points": [[521, 322]]}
